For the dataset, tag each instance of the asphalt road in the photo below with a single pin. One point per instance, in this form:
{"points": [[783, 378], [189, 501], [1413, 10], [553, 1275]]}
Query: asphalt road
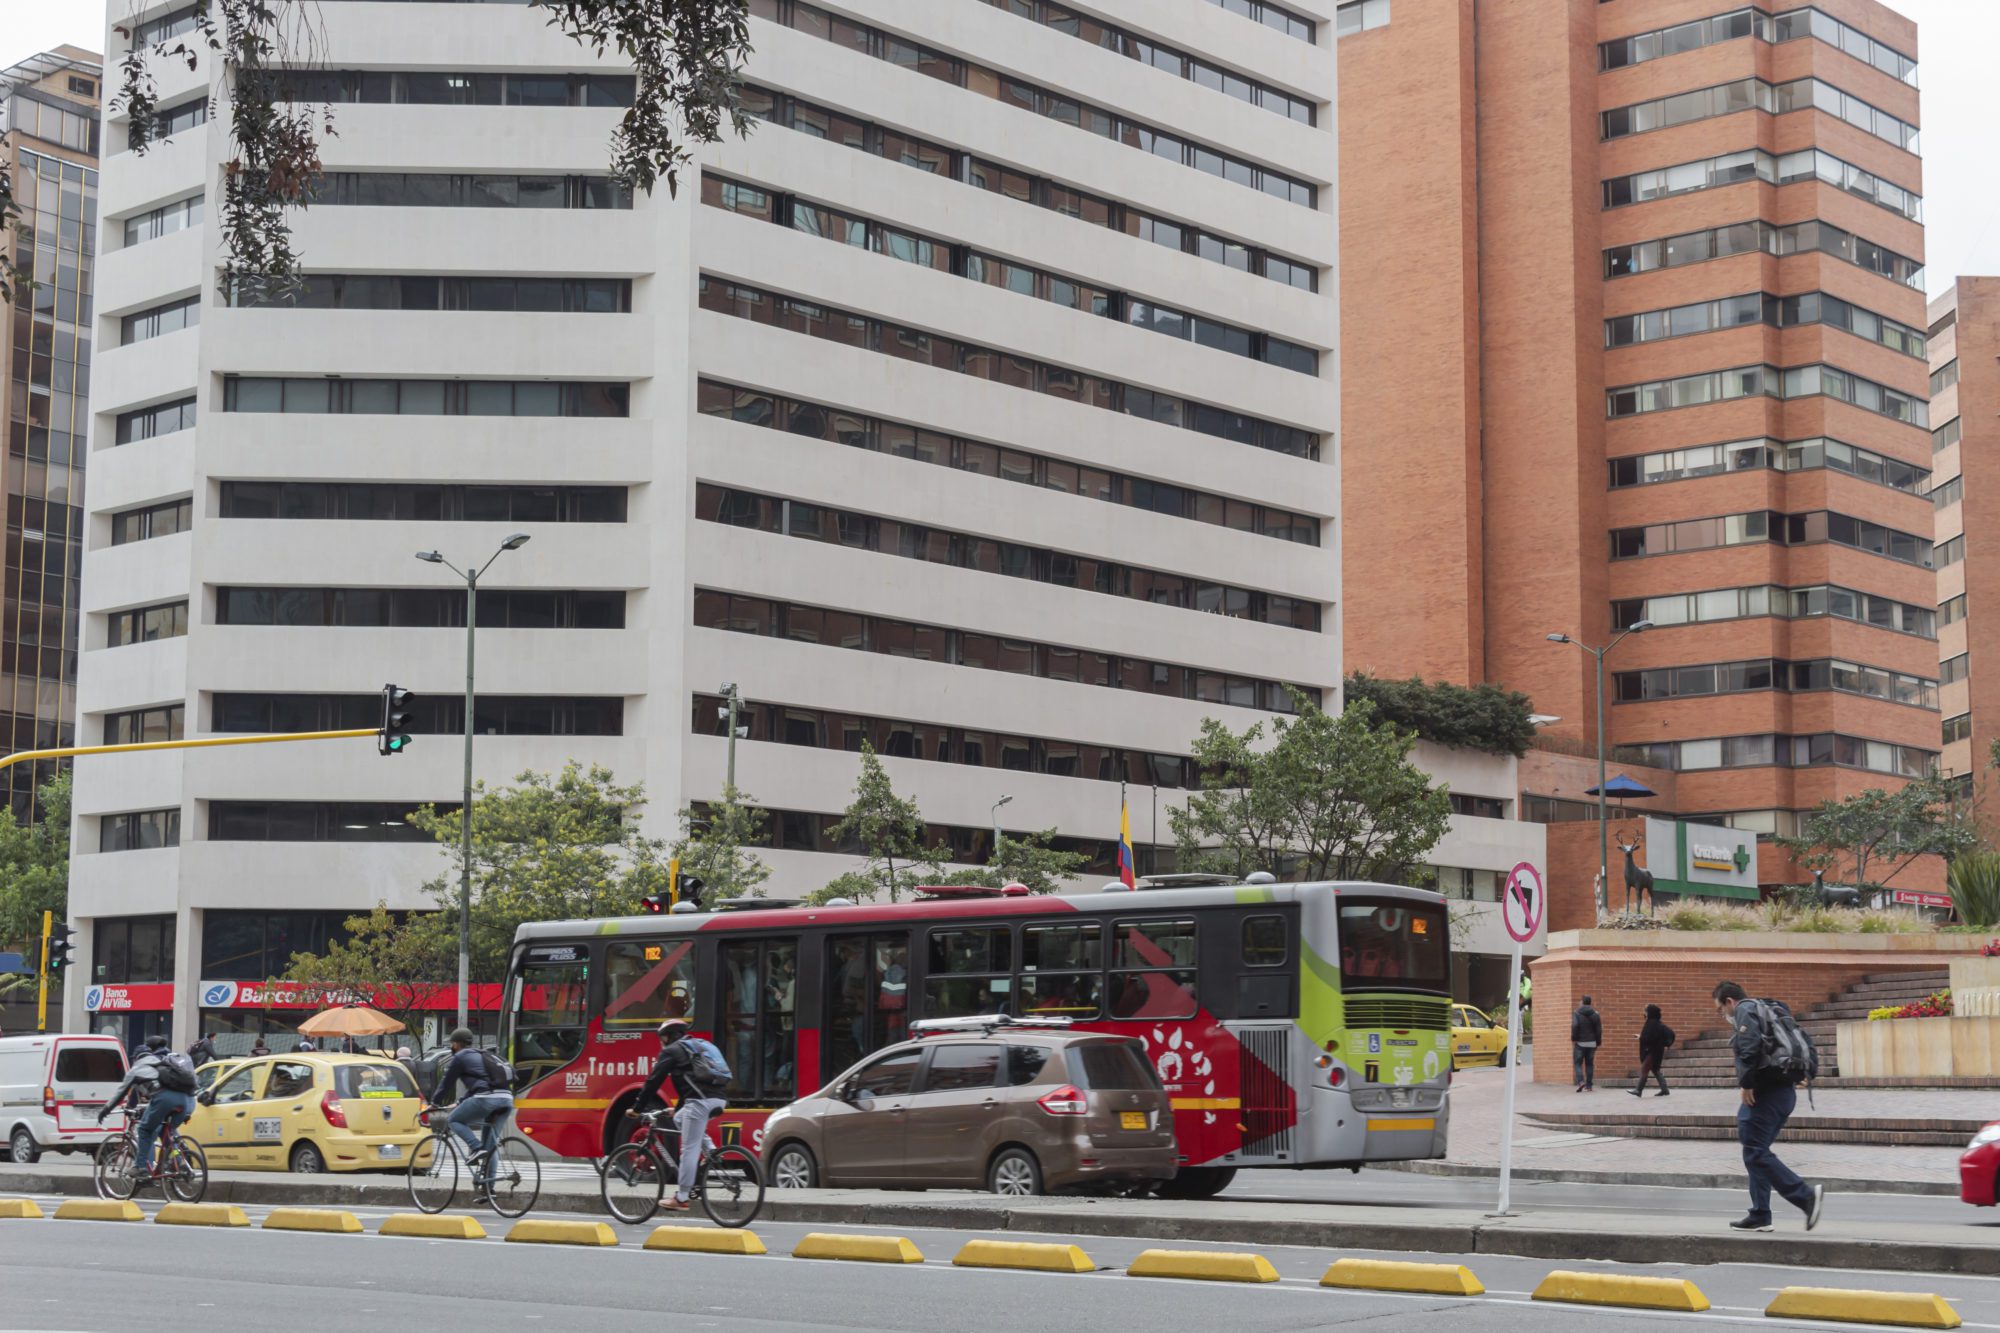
{"points": [[118, 1276]]}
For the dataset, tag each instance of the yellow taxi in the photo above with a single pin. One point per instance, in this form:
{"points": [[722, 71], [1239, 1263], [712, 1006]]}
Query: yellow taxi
{"points": [[309, 1112], [1477, 1039]]}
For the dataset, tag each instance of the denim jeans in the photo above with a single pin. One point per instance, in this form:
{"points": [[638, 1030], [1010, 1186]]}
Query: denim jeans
{"points": [[166, 1104], [484, 1111], [692, 1121], [1586, 1066], [1757, 1128]]}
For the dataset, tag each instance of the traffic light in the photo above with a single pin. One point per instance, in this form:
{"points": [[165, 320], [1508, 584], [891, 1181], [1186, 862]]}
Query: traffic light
{"points": [[60, 948], [653, 902], [395, 737]]}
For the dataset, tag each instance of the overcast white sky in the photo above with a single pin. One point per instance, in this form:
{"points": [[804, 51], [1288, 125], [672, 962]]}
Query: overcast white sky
{"points": [[1959, 41]]}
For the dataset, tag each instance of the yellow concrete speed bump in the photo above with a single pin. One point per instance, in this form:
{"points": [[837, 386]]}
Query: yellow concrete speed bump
{"points": [[1906, 1309], [311, 1219], [866, 1249], [548, 1231], [1641, 1293], [99, 1210], [201, 1215], [20, 1208], [705, 1240], [1045, 1258], [1391, 1275], [443, 1226], [1211, 1265]]}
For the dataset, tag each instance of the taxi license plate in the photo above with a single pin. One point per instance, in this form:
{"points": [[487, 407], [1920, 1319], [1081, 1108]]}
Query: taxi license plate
{"points": [[389, 1151], [1131, 1119]]}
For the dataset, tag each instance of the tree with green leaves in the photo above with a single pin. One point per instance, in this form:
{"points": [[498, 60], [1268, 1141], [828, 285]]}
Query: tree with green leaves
{"points": [[1871, 837], [549, 848], [713, 847], [404, 966], [34, 864], [1028, 860], [1471, 717], [1330, 796], [886, 828]]}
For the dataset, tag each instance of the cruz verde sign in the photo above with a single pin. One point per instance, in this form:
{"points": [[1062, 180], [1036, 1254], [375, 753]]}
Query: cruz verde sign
{"points": [[1706, 860]]}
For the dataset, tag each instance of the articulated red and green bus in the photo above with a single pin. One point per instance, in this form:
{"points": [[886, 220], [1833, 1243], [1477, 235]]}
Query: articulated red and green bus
{"points": [[1294, 1025]]}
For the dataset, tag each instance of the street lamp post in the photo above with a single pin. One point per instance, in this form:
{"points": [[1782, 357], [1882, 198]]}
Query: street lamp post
{"points": [[996, 824], [735, 703], [513, 543], [1603, 829]]}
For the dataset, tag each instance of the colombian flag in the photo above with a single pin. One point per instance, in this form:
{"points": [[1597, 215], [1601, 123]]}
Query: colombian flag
{"points": [[1125, 870]]}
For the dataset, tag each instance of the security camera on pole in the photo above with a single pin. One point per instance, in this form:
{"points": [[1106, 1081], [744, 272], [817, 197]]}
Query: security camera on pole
{"points": [[1522, 905]]}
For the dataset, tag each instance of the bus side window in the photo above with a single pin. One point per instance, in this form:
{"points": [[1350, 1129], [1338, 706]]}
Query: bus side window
{"points": [[1266, 986], [969, 970], [646, 982], [1264, 943]]}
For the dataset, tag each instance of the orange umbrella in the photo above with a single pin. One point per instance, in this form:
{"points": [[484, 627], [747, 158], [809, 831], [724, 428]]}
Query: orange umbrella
{"points": [[354, 1020]]}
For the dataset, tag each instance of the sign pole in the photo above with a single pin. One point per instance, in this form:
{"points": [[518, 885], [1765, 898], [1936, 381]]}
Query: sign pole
{"points": [[1524, 895], [42, 976]]}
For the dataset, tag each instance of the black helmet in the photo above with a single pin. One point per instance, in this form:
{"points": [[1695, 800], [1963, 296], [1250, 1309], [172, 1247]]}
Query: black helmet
{"points": [[157, 1042], [461, 1037]]}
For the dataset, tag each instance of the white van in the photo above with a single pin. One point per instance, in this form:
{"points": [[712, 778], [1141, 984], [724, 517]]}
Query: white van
{"points": [[51, 1087]]}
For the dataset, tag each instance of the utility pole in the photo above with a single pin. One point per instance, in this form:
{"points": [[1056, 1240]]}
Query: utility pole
{"points": [[729, 693]]}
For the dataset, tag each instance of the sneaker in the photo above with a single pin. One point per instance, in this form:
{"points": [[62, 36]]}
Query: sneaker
{"points": [[1750, 1223], [1812, 1212], [674, 1206], [1579, 1087]]}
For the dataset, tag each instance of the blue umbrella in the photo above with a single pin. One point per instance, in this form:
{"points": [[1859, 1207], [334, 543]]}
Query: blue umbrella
{"points": [[1622, 786]]}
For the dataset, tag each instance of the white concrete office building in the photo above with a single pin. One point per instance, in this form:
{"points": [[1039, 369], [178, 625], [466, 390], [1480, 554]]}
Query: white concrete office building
{"points": [[982, 402]]}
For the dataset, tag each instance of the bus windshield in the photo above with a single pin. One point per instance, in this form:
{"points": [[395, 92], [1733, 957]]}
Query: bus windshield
{"points": [[1394, 945], [550, 1005]]}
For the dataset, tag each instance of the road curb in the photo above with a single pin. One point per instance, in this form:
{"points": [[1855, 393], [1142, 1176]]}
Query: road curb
{"points": [[18, 1208], [312, 1219], [1685, 1180], [99, 1210], [1675, 1294], [705, 1240], [1393, 1275], [1904, 1309], [545, 1231], [440, 1226], [862, 1249], [177, 1214], [1205, 1265], [1039, 1256]]}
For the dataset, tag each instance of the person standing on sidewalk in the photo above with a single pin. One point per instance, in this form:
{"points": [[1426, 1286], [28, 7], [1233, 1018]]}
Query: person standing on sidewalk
{"points": [[1654, 1038], [1773, 1058], [1586, 1032]]}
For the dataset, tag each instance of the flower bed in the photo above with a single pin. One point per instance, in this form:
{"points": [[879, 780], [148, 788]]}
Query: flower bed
{"points": [[1935, 1005]]}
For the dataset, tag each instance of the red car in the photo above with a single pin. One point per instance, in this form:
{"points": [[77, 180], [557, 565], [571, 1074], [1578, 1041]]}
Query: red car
{"points": [[1979, 1168]]}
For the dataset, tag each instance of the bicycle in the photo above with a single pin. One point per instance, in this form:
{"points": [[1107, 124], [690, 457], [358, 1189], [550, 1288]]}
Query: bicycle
{"points": [[183, 1165], [729, 1182], [511, 1171]]}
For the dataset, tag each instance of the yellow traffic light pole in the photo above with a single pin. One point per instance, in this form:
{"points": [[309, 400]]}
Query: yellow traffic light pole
{"points": [[199, 743]]}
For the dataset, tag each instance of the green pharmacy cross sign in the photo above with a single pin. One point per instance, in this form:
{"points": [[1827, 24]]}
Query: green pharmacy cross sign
{"points": [[1705, 860]]}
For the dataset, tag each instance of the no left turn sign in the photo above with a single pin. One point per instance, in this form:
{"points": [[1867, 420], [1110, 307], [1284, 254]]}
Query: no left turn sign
{"points": [[1523, 902]]}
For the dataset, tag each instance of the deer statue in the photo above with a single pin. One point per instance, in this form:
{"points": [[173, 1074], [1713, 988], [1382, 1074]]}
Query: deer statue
{"points": [[1638, 879]]}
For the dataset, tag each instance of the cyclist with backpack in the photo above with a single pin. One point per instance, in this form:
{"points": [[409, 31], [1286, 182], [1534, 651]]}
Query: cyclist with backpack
{"points": [[488, 1100], [1773, 1058], [164, 1080], [699, 1075]]}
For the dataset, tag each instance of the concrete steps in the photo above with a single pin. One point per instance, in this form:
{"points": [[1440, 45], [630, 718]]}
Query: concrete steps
{"points": [[1863, 1130]]}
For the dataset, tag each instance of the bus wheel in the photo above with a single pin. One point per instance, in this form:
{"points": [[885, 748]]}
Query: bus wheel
{"points": [[1198, 1182]]}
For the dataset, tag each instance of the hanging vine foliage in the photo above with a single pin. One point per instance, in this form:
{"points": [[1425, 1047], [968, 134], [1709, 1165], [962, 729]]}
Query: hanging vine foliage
{"points": [[13, 277], [687, 56]]}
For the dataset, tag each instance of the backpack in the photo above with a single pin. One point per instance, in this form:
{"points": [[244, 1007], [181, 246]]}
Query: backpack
{"points": [[176, 1072], [708, 1071], [498, 1072], [1787, 1051]]}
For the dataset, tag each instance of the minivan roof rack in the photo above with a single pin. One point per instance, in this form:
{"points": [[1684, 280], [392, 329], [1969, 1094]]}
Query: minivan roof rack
{"points": [[985, 1023]]}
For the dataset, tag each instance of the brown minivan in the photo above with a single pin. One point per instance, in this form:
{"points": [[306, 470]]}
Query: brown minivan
{"points": [[1013, 1106]]}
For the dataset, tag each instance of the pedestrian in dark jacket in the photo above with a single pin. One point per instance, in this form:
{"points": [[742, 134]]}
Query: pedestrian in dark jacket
{"points": [[1768, 1099], [1586, 1033], [203, 1050], [1654, 1038]]}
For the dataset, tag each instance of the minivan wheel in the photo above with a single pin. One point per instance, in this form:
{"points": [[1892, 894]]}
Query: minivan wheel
{"points": [[1015, 1172], [23, 1146], [307, 1160], [793, 1168]]}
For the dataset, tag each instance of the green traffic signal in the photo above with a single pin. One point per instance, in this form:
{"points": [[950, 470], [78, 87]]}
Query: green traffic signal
{"points": [[60, 948], [395, 737]]}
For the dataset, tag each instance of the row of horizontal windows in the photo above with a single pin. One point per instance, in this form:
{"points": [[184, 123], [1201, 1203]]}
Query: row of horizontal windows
{"points": [[1708, 460], [430, 714], [1359, 16], [1271, 16], [52, 120], [937, 159], [1753, 94], [164, 220], [1781, 751], [1754, 164], [1951, 610], [825, 729], [1769, 525], [1719, 386], [1957, 728], [1950, 552], [988, 82], [1947, 435], [160, 419], [166, 723], [962, 261], [436, 189], [161, 520], [463, 398], [139, 830], [420, 608], [1760, 237], [1944, 376], [426, 501], [171, 120], [317, 821], [393, 291], [1778, 312], [1947, 493], [941, 546], [1767, 599], [146, 624], [171, 317], [771, 618], [1155, 55], [1771, 673], [757, 407], [1739, 23], [1954, 669], [435, 88], [173, 23], [964, 358]]}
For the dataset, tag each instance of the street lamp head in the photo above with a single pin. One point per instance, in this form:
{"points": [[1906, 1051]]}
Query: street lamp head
{"points": [[515, 542], [1558, 638], [1002, 801], [430, 557], [1641, 626]]}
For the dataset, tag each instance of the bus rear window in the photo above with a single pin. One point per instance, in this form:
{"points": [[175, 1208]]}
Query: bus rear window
{"points": [[1394, 945]]}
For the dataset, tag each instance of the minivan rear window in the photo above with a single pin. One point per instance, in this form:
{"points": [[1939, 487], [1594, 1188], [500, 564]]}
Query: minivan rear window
{"points": [[1114, 1066], [89, 1064], [373, 1081]]}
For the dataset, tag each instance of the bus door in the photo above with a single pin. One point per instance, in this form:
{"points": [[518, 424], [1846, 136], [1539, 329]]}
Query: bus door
{"points": [[867, 1005], [757, 1025]]}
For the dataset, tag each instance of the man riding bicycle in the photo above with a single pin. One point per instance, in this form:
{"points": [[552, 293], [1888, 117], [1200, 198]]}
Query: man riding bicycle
{"points": [[698, 1073], [163, 1080], [486, 1104]]}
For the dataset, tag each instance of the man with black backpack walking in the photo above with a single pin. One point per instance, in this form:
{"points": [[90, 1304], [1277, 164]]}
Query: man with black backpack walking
{"points": [[699, 1075], [1773, 1058]]}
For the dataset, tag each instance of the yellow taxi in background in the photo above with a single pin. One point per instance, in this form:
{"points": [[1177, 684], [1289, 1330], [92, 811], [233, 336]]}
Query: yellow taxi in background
{"points": [[309, 1112], [1476, 1039]]}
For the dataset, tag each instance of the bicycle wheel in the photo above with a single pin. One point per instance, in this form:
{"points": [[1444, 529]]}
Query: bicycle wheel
{"points": [[513, 1177], [112, 1171], [185, 1176], [632, 1183], [732, 1187], [433, 1173]]}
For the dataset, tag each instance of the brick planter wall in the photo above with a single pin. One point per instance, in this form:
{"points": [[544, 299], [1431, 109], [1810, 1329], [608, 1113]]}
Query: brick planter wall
{"points": [[1624, 971]]}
